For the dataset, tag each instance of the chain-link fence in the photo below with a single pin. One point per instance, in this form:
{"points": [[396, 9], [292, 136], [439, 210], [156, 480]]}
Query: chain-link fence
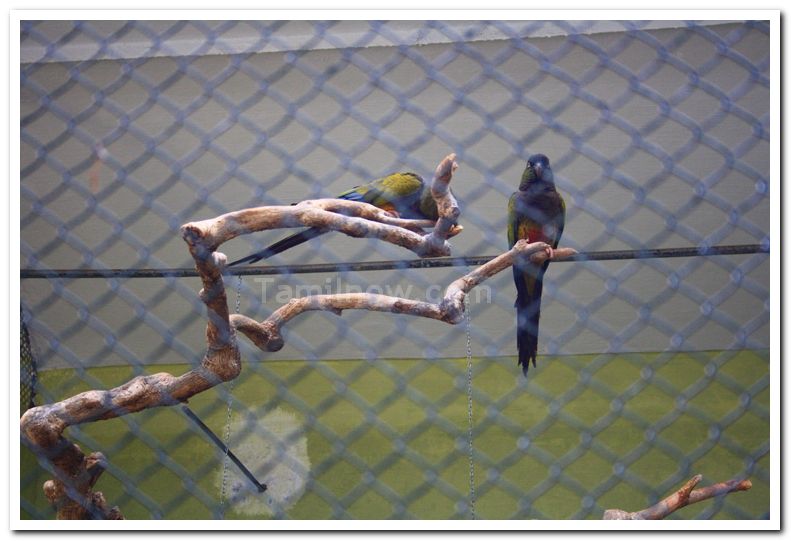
{"points": [[649, 370]]}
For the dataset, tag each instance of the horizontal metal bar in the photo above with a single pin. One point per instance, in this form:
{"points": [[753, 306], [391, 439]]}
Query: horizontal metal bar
{"points": [[427, 263]]}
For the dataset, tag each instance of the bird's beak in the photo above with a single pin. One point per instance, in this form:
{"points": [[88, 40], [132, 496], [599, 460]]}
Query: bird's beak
{"points": [[539, 170]]}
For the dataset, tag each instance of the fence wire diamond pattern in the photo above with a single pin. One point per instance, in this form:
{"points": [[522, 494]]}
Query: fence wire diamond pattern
{"points": [[650, 370]]}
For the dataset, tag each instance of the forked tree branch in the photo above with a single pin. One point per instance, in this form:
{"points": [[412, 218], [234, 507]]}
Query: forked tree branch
{"points": [[266, 334], [681, 498], [42, 427]]}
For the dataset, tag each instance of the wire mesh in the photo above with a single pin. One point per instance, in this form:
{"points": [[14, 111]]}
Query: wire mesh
{"points": [[650, 370]]}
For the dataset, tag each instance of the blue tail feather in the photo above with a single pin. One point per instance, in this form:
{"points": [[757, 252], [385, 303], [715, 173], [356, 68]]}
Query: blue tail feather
{"points": [[528, 312], [281, 246]]}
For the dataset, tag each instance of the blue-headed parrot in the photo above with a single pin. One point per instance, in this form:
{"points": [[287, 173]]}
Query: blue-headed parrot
{"points": [[537, 213], [404, 195]]}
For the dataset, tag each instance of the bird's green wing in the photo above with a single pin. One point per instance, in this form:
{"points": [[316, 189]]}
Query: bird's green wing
{"points": [[560, 222], [513, 222], [391, 191], [519, 227], [399, 185]]}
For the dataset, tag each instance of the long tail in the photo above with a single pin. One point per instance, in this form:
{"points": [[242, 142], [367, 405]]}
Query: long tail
{"points": [[297, 238], [528, 311], [280, 246]]}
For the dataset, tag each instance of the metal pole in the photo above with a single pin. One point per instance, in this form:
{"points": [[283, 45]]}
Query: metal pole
{"points": [[219, 443], [429, 262]]}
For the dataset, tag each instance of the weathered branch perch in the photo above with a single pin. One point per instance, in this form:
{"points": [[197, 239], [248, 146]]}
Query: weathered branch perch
{"points": [[266, 334], [681, 498], [42, 427]]}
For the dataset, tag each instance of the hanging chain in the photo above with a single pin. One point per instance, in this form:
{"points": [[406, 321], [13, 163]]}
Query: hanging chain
{"points": [[229, 410], [469, 406]]}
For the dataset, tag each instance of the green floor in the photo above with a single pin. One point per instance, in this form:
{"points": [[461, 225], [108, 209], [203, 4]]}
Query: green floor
{"points": [[388, 439]]}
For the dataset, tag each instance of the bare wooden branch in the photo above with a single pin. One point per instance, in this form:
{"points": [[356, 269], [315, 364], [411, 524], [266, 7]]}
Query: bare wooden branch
{"points": [[266, 334], [447, 207], [76, 499], [42, 427], [719, 489], [681, 498]]}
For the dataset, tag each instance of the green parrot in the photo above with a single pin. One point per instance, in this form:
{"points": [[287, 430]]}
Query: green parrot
{"points": [[537, 213], [404, 195]]}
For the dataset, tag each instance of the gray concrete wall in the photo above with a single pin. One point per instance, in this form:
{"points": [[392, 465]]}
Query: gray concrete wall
{"points": [[349, 131]]}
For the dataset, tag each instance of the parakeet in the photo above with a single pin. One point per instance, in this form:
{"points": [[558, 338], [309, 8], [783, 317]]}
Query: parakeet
{"points": [[405, 195], [537, 213]]}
